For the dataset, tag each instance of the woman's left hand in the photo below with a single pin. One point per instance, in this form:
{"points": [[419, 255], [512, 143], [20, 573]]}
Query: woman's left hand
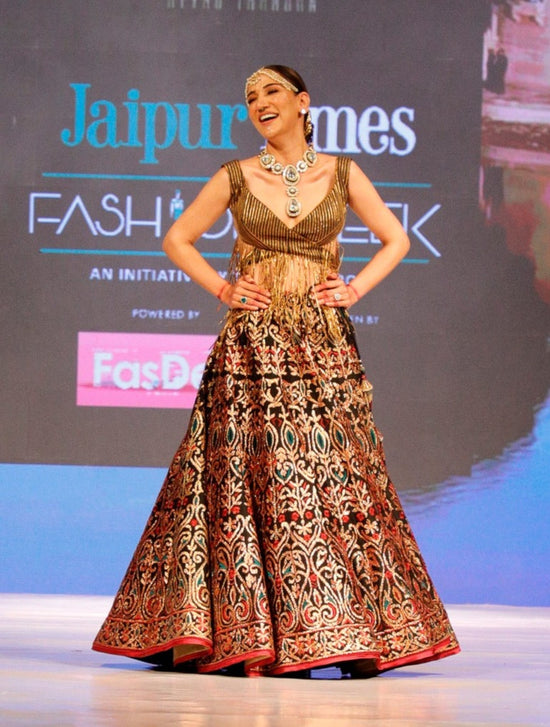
{"points": [[334, 292]]}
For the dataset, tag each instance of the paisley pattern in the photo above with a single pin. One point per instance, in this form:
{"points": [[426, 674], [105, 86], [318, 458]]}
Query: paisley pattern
{"points": [[278, 539]]}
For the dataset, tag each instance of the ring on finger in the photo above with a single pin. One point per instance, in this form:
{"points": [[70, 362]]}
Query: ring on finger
{"points": [[244, 299], [337, 296]]}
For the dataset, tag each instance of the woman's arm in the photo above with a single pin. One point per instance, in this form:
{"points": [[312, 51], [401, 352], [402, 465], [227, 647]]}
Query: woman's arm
{"points": [[365, 201], [179, 245]]}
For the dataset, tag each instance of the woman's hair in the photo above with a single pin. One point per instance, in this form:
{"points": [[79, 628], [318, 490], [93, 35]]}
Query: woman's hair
{"points": [[296, 80], [291, 75]]}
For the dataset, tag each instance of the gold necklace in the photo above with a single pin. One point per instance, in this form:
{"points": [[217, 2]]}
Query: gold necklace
{"points": [[290, 173]]}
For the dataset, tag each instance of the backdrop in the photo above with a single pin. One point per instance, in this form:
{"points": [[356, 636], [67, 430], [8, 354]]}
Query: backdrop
{"points": [[115, 114]]}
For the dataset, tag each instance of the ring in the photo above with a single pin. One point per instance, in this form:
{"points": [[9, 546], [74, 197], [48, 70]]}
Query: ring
{"points": [[337, 296], [244, 299]]}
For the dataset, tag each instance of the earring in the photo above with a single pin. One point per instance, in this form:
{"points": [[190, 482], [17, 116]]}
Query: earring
{"points": [[308, 126], [303, 112]]}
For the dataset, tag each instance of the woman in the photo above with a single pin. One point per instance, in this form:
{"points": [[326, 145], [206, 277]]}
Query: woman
{"points": [[277, 543]]}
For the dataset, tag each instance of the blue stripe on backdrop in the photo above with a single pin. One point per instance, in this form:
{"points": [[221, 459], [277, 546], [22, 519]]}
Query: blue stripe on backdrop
{"points": [[171, 178], [71, 529]]}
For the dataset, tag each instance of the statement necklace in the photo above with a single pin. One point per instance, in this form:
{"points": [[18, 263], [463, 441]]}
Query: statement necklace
{"points": [[291, 175]]}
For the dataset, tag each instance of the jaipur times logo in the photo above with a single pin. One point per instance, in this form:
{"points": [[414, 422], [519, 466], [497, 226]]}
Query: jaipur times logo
{"points": [[241, 6]]}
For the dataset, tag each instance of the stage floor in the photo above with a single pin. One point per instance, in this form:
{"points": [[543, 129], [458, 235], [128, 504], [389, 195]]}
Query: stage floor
{"points": [[50, 677]]}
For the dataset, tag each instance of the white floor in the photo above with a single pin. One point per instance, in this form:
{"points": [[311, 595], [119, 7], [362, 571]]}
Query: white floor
{"points": [[49, 676]]}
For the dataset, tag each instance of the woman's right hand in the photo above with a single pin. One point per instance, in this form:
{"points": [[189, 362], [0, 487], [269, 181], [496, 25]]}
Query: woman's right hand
{"points": [[245, 294]]}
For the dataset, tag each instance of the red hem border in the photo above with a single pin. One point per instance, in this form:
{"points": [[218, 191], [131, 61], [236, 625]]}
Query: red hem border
{"points": [[268, 657], [158, 649], [264, 657], [422, 657], [326, 661]]}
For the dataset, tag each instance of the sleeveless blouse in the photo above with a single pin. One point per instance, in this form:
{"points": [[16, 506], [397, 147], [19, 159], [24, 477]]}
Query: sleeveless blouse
{"points": [[287, 260]]}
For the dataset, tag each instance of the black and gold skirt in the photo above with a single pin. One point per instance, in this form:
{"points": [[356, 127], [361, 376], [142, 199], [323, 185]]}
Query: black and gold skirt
{"points": [[277, 539]]}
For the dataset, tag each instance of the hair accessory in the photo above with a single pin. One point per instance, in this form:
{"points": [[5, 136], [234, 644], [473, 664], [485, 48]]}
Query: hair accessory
{"points": [[255, 77], [290, 173]]}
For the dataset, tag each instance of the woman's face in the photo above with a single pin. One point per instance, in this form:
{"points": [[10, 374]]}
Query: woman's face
{"points": [[274, 109]]}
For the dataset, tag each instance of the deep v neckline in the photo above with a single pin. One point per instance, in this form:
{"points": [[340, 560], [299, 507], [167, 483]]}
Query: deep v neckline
{"points": [[291, 228]]}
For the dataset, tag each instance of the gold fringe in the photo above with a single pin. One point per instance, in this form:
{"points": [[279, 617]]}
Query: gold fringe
{"points": [[289, 277]]}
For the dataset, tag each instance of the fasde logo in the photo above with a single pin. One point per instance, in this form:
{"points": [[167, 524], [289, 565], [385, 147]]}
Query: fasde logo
{"points": [[172, 372], [153, 126]]}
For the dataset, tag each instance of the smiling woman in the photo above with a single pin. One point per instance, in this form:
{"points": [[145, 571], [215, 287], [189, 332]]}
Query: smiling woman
{"points": [[278, 543], [262, 90]]}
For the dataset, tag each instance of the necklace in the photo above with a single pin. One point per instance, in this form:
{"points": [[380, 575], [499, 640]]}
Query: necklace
{"points": [[290, 173]]}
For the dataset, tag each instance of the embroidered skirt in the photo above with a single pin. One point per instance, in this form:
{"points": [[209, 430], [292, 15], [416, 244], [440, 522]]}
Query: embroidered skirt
{"points": [[278, 539]]}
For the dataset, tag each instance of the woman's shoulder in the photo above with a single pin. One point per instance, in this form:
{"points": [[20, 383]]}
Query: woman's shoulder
{"points": [[240, 168], [329, 162], [326, 161], [248, 164], [232, 171], [339, 165]]}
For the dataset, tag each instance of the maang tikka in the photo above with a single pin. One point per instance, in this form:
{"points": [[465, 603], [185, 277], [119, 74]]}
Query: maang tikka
{"points": [[255, 77]]}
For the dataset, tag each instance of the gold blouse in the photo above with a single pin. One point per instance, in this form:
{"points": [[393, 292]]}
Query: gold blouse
{"points": [[287, 260]]}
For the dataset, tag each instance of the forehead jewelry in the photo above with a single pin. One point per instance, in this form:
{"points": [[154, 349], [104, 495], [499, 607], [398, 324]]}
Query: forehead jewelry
{"points": [[291, 174], [255, 77]]}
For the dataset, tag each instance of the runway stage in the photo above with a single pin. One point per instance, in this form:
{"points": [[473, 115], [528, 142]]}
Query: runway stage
{"points": [[50, 677]]}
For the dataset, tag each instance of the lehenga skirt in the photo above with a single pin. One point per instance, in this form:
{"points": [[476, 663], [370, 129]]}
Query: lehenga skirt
{"points": [[278, 539]]}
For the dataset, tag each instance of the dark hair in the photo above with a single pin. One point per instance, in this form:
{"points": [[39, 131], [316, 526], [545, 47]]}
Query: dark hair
{"points": [[296, 80]]}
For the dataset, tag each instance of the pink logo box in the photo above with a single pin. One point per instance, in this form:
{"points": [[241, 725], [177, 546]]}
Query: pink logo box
{"points": [[140, 369]]}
